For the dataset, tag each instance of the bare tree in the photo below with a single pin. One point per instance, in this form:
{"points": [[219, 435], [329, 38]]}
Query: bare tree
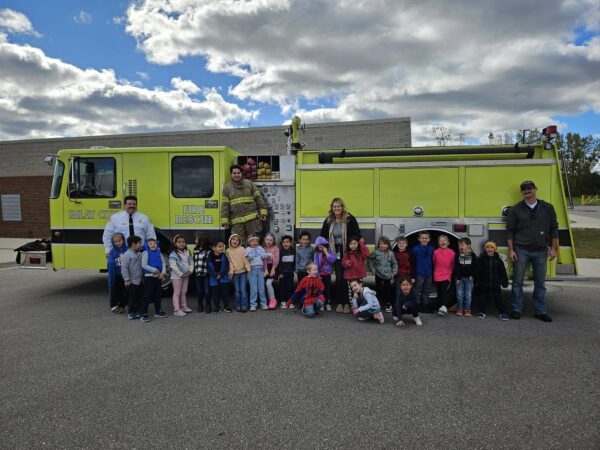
{"points": [[442, 134]]}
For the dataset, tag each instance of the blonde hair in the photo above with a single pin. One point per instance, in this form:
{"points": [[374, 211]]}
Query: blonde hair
{"points": [[443, 236], [310, 264], [331, 216]]}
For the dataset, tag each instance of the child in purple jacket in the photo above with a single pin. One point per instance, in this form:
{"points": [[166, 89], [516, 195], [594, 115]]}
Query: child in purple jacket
{"points": [[324, 259]]}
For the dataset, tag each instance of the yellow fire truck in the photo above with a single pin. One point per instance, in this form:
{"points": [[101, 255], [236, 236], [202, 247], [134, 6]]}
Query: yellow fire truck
{"points": [[459, 191]]}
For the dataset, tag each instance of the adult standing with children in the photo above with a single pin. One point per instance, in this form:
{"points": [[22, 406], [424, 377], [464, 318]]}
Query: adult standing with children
{"points": [[532, 238], [338, 228], [243, 208], [130, 222]]}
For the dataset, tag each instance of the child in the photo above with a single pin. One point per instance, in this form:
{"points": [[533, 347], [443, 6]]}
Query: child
{"points": [[287, 265], [324, 259], [404, 267], [201, 251], [443, 266], [490, 276], [180, 261], [154, 273], [465, 268], [131, 269], [256, 254], [364, 302], [422, 264], [116, 286], [406, 303], [310, 292], [382, 263], [304, 255], [238, 271], [353, 262], [218, 270], [270, 267]]}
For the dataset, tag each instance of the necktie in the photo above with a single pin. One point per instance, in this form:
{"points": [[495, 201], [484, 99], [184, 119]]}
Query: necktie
{"points": [[131, 230]]}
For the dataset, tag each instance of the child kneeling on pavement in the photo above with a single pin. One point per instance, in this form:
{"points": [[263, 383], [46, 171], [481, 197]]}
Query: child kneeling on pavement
{"points": [[364, 302], [406, 303], [310, 292]]}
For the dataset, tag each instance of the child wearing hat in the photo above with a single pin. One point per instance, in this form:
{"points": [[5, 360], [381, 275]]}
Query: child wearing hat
{"points": [[490, 278], [256, 256]]}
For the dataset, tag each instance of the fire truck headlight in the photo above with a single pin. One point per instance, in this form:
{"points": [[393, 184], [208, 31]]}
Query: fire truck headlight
{"points": [[418, 211]]}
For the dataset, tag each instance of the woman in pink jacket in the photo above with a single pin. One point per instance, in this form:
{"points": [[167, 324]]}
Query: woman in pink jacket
{"points": [[443, 265]]}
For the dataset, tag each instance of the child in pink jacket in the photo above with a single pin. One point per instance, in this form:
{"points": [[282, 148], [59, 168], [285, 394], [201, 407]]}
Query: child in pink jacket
{"points": [[353, 263], [443, 265]]}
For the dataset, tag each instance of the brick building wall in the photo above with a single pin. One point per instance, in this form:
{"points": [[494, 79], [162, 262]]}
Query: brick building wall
{"points": [[35, 210], [23, 171]]}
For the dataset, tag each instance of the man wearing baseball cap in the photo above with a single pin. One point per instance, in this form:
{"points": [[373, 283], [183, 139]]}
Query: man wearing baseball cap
{"points": [[532, 238]]}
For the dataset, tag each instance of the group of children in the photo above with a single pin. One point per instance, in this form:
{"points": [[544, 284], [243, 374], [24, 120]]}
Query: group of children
{"points": [[403, 277]]}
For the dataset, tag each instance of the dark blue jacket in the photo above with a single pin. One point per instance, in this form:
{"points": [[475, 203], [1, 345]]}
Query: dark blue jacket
{"points": [[409, 301], [224, 272], [114, 261], [422, 260]]}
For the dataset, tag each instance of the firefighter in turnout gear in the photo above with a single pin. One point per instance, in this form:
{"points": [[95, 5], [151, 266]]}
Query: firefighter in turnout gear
{"points": [[243, 207]]}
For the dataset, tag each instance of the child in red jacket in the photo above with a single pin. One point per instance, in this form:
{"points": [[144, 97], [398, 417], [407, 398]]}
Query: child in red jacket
{"points": [[404, 268], [310, 292], [353, 262]]}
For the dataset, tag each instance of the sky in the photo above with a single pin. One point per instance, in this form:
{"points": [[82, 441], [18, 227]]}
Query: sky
{"points": [[94, 67]]}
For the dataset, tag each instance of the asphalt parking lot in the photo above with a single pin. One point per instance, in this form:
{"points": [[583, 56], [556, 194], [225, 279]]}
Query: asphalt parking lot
{"points": [[74, 375]]}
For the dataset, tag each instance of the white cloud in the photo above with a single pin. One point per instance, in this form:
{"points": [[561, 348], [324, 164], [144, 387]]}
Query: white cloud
{"points": [[43, 97], [83, 18], [186, 86], [118, 20], [143, 75], [16, 22], [475, 66]]}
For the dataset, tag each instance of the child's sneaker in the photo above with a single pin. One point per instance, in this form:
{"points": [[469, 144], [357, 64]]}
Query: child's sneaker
{"points": [[328, 307], [443, 311], [418, 322], [161, 314], [395, 318], [468, 313], [459, 312], [339, 308], [362, 319], [388, 309], [504, 316], [115, 309], [187, 310], [283, 305], [379, 316], [291, 306], [130, 316], [253, 309], [227, 309], [179, 313], [272, 303], [145, 318], [264, 307], [480, 315], [347, 309]]}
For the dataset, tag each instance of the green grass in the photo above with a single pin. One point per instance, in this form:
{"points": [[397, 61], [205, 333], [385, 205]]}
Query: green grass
{"points": [[587, 242]]}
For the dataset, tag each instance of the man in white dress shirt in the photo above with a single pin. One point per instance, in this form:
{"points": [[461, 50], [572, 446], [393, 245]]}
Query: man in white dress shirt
{"points": [[129, 222]]}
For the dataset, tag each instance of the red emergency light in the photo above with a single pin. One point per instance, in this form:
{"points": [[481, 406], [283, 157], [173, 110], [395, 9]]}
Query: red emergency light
{"points": [[550, 131], [459, 227]]}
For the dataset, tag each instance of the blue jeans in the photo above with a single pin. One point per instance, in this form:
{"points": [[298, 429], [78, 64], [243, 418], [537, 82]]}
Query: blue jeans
{"points": [[538, 260], [464, 293], [239, 286], [257, 286], [309, 311], [203, 291]]}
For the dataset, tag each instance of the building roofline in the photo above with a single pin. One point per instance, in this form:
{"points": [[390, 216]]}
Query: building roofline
{"points": [[208, 131]]}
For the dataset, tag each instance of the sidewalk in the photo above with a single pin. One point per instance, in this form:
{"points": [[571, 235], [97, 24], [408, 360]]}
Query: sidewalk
{"points": [[583, 222]]}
